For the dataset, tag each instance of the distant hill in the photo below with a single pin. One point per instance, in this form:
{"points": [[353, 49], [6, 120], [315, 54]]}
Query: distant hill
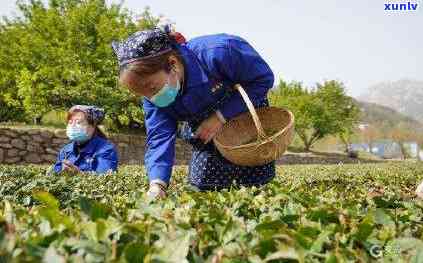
{"points": [[404, 96], [375, 113]]}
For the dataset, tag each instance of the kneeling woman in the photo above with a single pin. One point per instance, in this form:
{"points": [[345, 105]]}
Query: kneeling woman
{"points": [[89, 150], [193, 82]]}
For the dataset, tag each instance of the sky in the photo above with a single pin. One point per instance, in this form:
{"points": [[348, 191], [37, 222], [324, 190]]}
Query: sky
{"points": [[357, 42]]}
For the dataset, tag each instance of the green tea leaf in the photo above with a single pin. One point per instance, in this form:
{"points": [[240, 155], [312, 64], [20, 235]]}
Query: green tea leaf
{"points": [[94, 209], [285, 252], [382, 218], [47, 199], [174, 250], [365, 228], [321, 239], [135, 252]]}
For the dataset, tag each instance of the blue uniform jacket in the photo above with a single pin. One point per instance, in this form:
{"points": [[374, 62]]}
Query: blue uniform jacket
{"points": [[98, 155], [213, 64]]}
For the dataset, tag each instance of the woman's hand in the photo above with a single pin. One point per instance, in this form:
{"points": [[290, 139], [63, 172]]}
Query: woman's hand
{"points": [[70, 167], [209, 128], [156, 191]]}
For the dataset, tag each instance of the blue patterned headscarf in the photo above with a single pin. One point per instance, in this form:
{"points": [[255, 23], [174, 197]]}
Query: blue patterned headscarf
{"points": [[95, 115], [142, 44], [147, 43]]}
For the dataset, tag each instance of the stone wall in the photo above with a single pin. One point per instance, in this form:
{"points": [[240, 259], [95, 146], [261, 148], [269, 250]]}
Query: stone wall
{"points": [[131, 149], [41, 146]]}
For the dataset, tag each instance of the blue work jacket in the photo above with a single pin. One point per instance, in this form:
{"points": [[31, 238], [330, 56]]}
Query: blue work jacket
{"points": [[213, 64], [98, 155]]}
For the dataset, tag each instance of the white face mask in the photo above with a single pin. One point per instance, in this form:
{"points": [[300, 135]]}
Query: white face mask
{"points": [[77, 133]]}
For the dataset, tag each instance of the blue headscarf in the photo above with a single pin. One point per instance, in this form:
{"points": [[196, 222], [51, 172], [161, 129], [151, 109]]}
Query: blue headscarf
{"points": [[95, 115], [142, 44], [146, 44]]}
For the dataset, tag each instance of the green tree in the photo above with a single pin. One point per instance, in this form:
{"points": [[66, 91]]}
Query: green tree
{"points": [[59, 54], [11, 61], [337, 114], [324, 110], [346, 136]]}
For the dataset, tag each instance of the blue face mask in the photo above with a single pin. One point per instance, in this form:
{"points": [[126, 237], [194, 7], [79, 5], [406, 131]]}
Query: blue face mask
{"points": [[166, 95], [77, 133]]}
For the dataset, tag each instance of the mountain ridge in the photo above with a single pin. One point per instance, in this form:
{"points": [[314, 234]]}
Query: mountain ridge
{"points": [[405, 96]]}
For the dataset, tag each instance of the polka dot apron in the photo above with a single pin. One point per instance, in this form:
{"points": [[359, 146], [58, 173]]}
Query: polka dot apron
{"points": [[209, 170]]}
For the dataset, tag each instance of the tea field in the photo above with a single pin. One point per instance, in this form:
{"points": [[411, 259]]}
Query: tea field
{"points": [[334, 213]]}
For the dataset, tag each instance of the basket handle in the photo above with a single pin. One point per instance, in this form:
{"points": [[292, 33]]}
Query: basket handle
{"points": [[250, 106]]}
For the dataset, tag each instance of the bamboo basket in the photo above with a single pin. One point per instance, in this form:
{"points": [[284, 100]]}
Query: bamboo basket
{"points": [[243, 139]]}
